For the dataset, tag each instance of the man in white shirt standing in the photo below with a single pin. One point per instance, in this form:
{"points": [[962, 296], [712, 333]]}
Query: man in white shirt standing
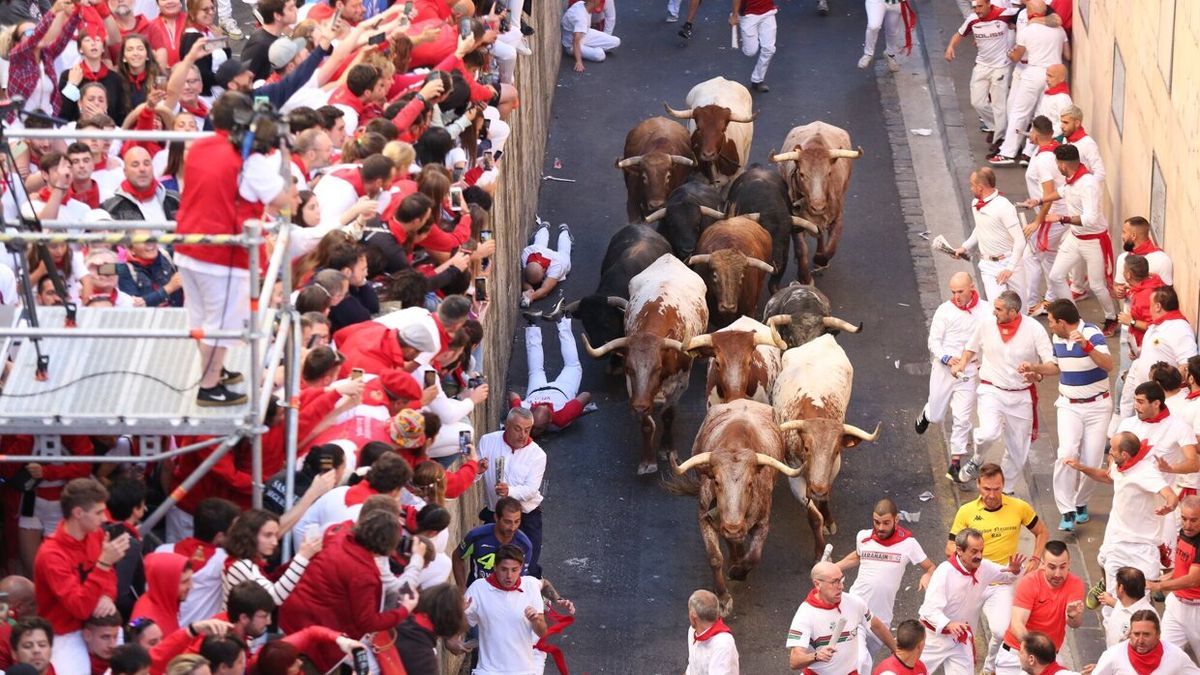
{"points": [[882, 553], [515, 468], [506, 606], [991, 27], [997, 235], [1055, 99], [711, 647], [1007, 400], [1042, 180], [823, 637], [953, 324], [1038, 47], [1169, 338], [953, 600], [1130, 597]]}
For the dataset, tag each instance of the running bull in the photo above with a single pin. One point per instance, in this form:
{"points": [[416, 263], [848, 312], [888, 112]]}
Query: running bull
{"points": [[658, 158]]}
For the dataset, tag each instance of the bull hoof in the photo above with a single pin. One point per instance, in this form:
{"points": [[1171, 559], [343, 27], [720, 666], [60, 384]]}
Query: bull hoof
{"points": [[738, 573], [830, 529], [726, 604], [647, 468]]}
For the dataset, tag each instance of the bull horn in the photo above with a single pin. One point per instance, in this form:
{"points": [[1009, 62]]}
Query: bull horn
{"points": [[772, 340], [680, 159], [806, 225], [711, 212], [677, 345], [699, 259], [752, 216], [760, 265], [604, 348], [656, 216], [778, 339], [839, 153], [743, 119], [678, 114], [629, 161], [793, 425], [767, 460], [840, 324], [692, 462], [851, 430], [618, 302], [699, 342], [779, 320], [786, 156]]}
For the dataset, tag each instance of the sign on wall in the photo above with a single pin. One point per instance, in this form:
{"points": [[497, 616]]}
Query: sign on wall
{"points": [[1158, 202]]}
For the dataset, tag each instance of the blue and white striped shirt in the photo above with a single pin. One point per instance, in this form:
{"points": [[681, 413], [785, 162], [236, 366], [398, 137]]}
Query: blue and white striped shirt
{"points": [[1079, 376]]}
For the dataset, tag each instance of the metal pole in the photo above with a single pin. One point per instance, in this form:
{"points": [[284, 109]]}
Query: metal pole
{"points": [[112, 135], [275, 356], [274, 268], [105, 459], [118, 334], [178, 493], [161, 225], [291, 391], [127, 238], [257, 411]]}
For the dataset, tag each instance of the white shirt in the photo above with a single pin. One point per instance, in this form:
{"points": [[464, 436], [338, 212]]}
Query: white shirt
{"points": [[954, 596], [206, 597], [1000, 359], [812, 628], [881, 569], [951, 329], [1083, 199], [1115, 661], [329, 510], [998, 233], [523, 470], [1188, 411], [503, 628], [1089, 154], [1159, 262], [1132, 520], [1172, 341], [1052, 105], [991, 38], [575, 20], [1166, 438], [1116, 626], [557, 269], [336, 196], [1042, 168], [9, 295], [718, 655], [1043, 44]]}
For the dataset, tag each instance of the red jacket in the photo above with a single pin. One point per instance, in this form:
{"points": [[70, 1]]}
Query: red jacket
{"points": [[211, 204], [1140, 295], [460, 480], [312, 411], [341, 590], [55, 476], [70, 583], [369, 345], [311, 641], [441, 241]]}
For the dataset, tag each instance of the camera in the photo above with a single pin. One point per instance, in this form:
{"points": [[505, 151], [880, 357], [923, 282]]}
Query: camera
{"points": [[259, 129], [474, 381]]}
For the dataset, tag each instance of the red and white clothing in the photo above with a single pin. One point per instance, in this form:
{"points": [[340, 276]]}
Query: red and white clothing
{"points": [[1001, 243], [756, 31], [1181, 618], [1089, 151], [813, 625], [208, 565], [892, 665], [503, 629], [1083, 407], [1087, 243], [1120, 658], [336, 506], [339, 190], [954, 594], [1054, 101], [523, 470], [596, 43], [1043, 48], [889, 15], [557, 394], [1166, 435], [1160, 263], [990, 75], [1044, 242], [1131, 537], [1169, 338], [1047, 615], [949, 331], [556, 264], [712, 652], [78, 584], [880, 569], [422, 317]]}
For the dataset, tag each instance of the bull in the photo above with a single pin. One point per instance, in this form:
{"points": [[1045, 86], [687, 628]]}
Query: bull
{"points": [[810, 398], [721, 118], [744, 361], [734, 252], [763, 193], [816, 162], [801, 314], [666, 307], [690, 208], [658, 158], [737, 455]]}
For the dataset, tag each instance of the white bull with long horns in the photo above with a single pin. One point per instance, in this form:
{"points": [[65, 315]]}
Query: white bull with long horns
{"points": [[720, 116]]}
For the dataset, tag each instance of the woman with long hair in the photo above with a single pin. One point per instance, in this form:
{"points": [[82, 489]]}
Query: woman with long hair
{"points": [[309, 212], [171, 159], [166, 33], [31, 49], [250, 541], [139, 70], [202, 22], [67, 261]]}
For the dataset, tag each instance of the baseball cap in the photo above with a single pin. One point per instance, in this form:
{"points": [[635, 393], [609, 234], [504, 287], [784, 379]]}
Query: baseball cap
{"points": [[408, 429], [418, 338], [229, 70], [283, 50]]}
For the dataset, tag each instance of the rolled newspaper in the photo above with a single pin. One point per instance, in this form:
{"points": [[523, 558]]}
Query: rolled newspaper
{"points": [[940, 245], [733, 37], [837, 633], [499, 470]]}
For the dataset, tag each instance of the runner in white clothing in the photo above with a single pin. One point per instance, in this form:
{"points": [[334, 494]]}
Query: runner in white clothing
{"points": [[506, 606], [543, 268], [823, 637], [997, 235], [1144, 653], [892, 16], [1130, 597], [1055, 99], [1038, 47], [1042, 180], [582, 41], [1169, 338], [991, 26], [711, 647]]}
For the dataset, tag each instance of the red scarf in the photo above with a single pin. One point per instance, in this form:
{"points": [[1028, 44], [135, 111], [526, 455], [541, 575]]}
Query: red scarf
{"points": [[1162, 415], [1143, 450], [44, 195], [1048, 147], [979, 204], [494, 581], [1060, 88], [1174, 314], [141, 195], [199, 552], [816, 601], [343, 96], [90, 196], [898, 535], [1075, 137], [196, 108], [1144, 664], [539, 259], [1009, 328], [1079, 173], [102, 165], [1054, 667], [909, 16], [144, 262], [93, 75], [139, 80], [1145, 248], [353, 176], [557, 624], [1193, 395], [712, 631], [954, 563], [971, 303], [357, 494], [300, 165]]}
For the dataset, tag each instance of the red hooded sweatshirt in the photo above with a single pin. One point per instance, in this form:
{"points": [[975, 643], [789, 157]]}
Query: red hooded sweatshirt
{"points": [[72, 582], [161, 601], [369, 345]]}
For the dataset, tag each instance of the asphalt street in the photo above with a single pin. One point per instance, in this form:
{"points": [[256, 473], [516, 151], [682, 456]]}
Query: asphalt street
{"points": [[623, 549]]}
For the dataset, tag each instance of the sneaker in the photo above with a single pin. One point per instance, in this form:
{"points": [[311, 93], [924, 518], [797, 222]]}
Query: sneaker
{"points": [[556, 313], [531, 317], [229, 377], [1067, 524], [231, 28], [1079, 295], [1023, 160], [218, 396], [686, 31], [672, 18], [563, 229], [1111, 327], [823, 7], [970, 471], [892, 64], [986, 128], [921, 424], [1081, 515], [1092, 599], [865, 61], [760, 87], [1001, 160], [526, 29]]}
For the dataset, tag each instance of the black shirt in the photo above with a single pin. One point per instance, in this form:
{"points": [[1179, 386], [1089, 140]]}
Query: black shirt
{"points": [[255, 54]]}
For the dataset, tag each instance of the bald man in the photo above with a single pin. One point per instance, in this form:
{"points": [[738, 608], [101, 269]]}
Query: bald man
{"points": [[1055, 99], [711, 648], [22, 604], [810, 641], [140, 196], [953, 324], [543, 267]]}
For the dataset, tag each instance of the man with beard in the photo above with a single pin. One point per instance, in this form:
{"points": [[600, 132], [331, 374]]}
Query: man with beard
{"points": [[516, 465], [810, 643], [1046, 601], [1144, 652], [882, 554], [479, 547]]}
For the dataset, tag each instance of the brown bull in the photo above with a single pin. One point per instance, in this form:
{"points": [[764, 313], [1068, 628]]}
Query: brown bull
{"points": [[816, 161], [722, 124], [735, 252], [658, 158], [744, 361], [737, 455]]}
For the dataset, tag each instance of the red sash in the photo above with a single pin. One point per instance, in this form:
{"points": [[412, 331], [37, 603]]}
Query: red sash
{"points": [[557, 624]]}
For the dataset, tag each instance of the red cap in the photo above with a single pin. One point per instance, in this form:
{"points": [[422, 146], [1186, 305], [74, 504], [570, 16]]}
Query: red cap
{"points": [[392, 385]]}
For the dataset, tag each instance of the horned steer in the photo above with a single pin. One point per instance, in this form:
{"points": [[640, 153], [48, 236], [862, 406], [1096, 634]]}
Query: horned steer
{"points": [[690, 208], [816, 161], [737, 454], [810, 398], [735, 253], [745, 361], [761, 195], [658, 158], [801, 313], [721, 119], [666, 308]]}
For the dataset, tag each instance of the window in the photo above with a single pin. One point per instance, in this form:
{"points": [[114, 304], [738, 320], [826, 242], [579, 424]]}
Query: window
{"points": [[1118, 90], [1166, 41], [1158, 202]]}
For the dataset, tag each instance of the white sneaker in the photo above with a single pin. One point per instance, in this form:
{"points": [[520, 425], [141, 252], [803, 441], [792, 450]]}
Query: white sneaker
{"points": [[865, 61], [523, 47], [231, 28], [892, 63], [672, 18]]}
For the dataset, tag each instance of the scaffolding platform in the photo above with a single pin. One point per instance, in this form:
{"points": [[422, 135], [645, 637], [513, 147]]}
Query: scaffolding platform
{"points": [[108, 386]]}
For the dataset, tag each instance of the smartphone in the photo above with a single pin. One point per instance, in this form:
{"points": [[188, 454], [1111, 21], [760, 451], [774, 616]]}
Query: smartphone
{"points": [[485, 235], [464, 441], [481, 288], [326, 463], [456, 193], [356, 373], [405, 549], [377, 39], [337, 16], [362, 665], [405, 589], [107, 270], [430, 378], [464, 28], [312, 340], [160, 81], [408, 8], [457, 174]]}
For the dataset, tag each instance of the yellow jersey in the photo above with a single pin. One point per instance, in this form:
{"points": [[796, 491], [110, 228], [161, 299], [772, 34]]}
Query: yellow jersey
{"points": [[1001, 528]]}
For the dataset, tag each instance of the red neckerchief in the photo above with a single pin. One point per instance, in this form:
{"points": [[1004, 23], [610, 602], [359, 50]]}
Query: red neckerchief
{"points": [[358, 493], [1060, 88], [1048, 147], [343, 96], [140, 195], [90, 196], [1075, 137], [899, 534], [1079, 173], [712, 631], [1168, 316], [816, 601], [353, 176], [196, 108], [909, 16], [139, 79], [144, 262], [300, 165], [1143, 450], [1145, 248], [1162, 415], [1144, 664], [496, 582], [539, 259], [93, 75], [199, 552], [111, 296], [422, 619], [970, 305], [102, 165], [99, 666], [954, 563], [1054, 667], [980, 203], [557, 623], [44, 194], [1009, 328], [1193, 395]]}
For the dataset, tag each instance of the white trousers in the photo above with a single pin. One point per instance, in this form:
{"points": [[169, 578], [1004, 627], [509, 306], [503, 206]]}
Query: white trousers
{"points": [[886, 16], [758, 37], [1007, 414], [1082, 433], [446, 441], [868, 644], [1181, 623], [1072, 251], [1008, 663], [70, 653], [957, 658], [1022, 102], [997, 608], [989, 94], [949, 393], [1037, 265], [572, 372], [1115, 555], [595, 44], [988, 269]]}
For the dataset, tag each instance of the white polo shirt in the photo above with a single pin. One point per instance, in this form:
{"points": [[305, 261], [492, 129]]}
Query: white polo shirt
{"points": [[718, 655], [1000, 359], [1043, 44], [1172, 341], [952, 327], [1135, 496], [503, 628], [1115, 661], [523, 470], [1082, 197], [1160, 264], [1165, 437], [1042, 168], [991, 36], [1116, 626], [1089, 153], [812, 628], [881, 569]]}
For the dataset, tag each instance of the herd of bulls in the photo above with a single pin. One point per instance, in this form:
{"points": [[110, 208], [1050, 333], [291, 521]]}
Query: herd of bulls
{"points": [[708, 230]]}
